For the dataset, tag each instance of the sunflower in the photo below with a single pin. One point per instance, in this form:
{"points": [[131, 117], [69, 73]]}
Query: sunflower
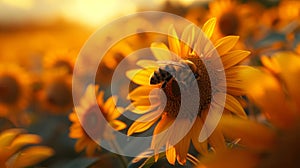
{"points": [[282, 17], [279, 79], [15, 93], [141, 38], [60, 59], [110, 61], [273, 88], [55, 95], [196, 14], [13, 153], [234, 18], [210, 94], [86, 118]]}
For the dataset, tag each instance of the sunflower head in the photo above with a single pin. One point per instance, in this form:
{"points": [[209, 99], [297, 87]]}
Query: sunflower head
{"points": [[274, 88], [91, 118], [196, 14], [235, 18], [56, 93], [110, 61], [214, 67], [60, 59], [10, 89], [15, 92], [228, 17]]}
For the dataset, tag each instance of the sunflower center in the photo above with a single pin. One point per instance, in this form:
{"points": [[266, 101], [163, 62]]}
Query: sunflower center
{"points": [[59, 94], [64, 64], [9, 89], [92, 122], [229, 24], [173, 94]]}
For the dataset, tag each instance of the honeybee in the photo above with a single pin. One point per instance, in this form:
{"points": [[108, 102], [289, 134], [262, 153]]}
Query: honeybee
{"points": [[172, 69]]}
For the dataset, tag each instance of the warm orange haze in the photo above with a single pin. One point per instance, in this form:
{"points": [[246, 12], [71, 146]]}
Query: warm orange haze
{"points": [[112, 83]]}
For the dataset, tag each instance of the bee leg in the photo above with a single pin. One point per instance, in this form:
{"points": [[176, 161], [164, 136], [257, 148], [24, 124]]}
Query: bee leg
{"points": [[164, 85]]}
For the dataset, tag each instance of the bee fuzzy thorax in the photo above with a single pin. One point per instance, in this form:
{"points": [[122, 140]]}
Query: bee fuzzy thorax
{"points": [[184, 71]]}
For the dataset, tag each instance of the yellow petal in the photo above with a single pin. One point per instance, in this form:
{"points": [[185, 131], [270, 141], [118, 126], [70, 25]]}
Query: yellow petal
{"points": [[91, 147], [7, 136], [271, 64], [182, 149], [188, 37], [217, 140], [163, 124], [174, 42], [146, 100], [118, 125], [160, 51], [225, 44], [212, 117], [235, 86], [76, 131], [179, 129], [290, 72], [140, 76], [139, 109], [89, 93], [237, 83], [29, 157], [200, 147], [110, 103], [81, 144], [100, 98], [114, 113], [264, 88], [171, 155], [147, 63], [235, 91], [142, 91], [234, 57], [208, 27], [73, 117], [138, 127], [144, 104], [23, 140], [231, 104], [158, 139], [239, 72]]}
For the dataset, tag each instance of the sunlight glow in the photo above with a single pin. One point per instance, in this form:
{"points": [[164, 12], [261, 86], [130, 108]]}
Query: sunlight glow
{"points": [[22, 4]]}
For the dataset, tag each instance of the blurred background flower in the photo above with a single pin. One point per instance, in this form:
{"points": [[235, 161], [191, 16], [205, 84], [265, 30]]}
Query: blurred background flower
{"points": [[271, 143], [88, 126], [13, 153], [15, 93]]}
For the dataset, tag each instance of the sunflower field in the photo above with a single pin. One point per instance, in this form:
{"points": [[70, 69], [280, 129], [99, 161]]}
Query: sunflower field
{"points": [[149, 84]]}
